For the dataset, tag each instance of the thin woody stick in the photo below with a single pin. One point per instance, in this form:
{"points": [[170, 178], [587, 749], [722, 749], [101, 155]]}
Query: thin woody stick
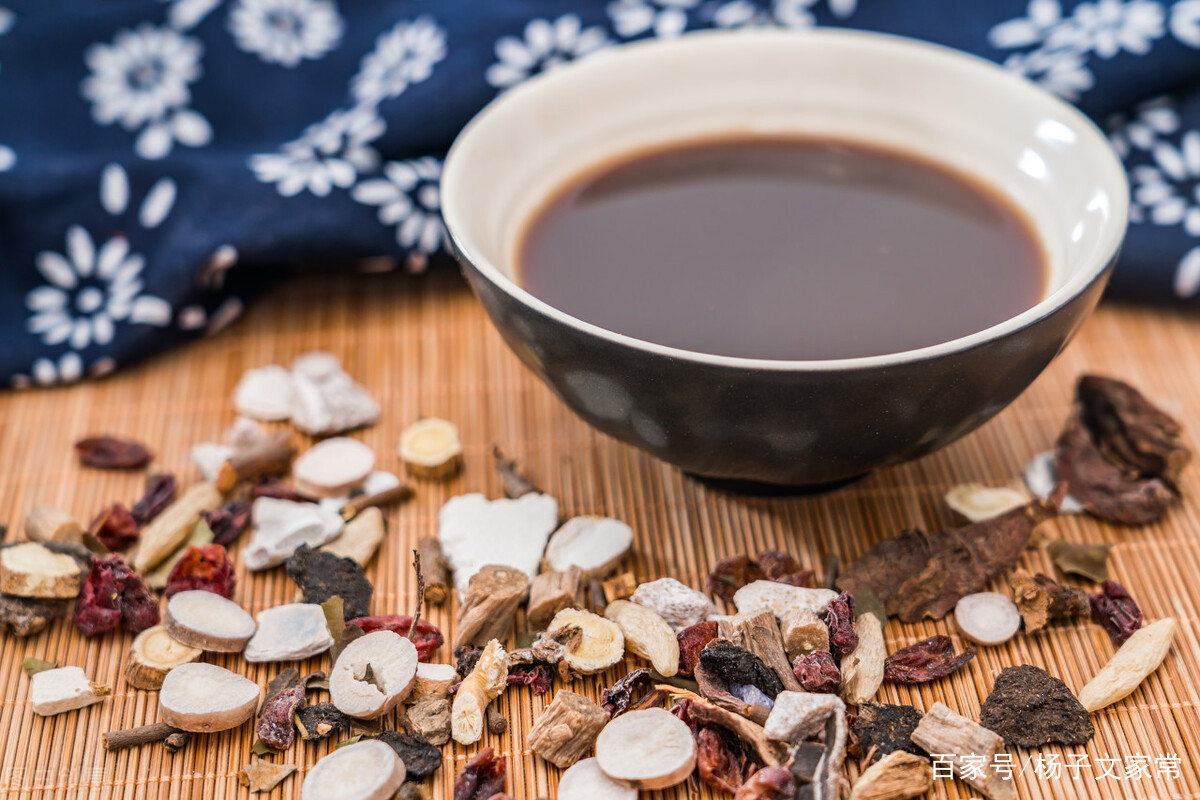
{"points": [[412, 632]]}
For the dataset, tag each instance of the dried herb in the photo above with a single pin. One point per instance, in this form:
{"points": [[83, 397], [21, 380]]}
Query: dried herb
{"points": [[1030, 708], [261, 748], [206, 568], [617, 699], [273, 487], [482, 777], [721, 765], [817, 672], [839, 619], [731, 574], [115, 527], [769, 783], [320, 721], [692, 640], [537, 676], [33, 666], [321, 575], [425, 635], [733, 664], [926, 660], [1041, 601], [465, 659], [160, 491], [782, 567], [865, 602], [1116, 611], [107, 452], [515, 484], [919, 575], [355, 739], [1088, 560], [884, 728], [420, 758], [228, 521], [275, 726], [114, 595], [25, 616], [1130, 430], [335, 616], [412, 628], [263, 776]]}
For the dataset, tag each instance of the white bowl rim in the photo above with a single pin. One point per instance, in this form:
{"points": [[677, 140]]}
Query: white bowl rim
{"points": [[1074, 286]]}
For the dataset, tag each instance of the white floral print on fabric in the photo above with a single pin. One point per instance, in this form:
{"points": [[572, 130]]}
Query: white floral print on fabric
{"points": [[286, 32], [661, 18], [8, 157], [1185, 22], [408, 197], [67, 369], [545, 45], [184, 15], [141, 82], [330, 153], [1057, 46], [90, 286], [402, 56]]}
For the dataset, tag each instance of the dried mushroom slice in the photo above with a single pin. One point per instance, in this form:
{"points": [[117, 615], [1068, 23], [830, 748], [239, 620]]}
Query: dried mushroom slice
{"points": [[208, 621], [203, 698]]}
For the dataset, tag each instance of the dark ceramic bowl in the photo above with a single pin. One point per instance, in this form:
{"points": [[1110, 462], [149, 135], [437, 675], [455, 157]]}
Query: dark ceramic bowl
{"points": [[793, 423]]}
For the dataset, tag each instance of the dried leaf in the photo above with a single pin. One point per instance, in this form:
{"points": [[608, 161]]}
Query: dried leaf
{"points": [[33, 666], [344, 742], [335, 617], [261, 748], [263, 776], [1088, 560], [1130, 430]]}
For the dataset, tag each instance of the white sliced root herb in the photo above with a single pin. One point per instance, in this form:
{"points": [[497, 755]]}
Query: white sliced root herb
{"points": [[1041, 478], [367, 770], [586, 781], [333, 467], [978, 503], [288, 633], [53, 691], [317, 365], [209, 457], [648, 749], [601, 643], [680, 605], [203, 698], [153, 654], [485, 683], [30, 569], [780, 598], [372, 674], [433, 681], [647, 635], [862, 667], [430, 448], [208, 621], [987, 618], [264, 393], [1138, 657], [594, 544], [474, 532], [166, 532], [48, 524], [281, 526]]}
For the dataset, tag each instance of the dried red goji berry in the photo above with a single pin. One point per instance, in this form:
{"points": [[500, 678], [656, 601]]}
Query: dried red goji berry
{"points": [[817, 672], [206, 568], [839, 618], [115, 527]]}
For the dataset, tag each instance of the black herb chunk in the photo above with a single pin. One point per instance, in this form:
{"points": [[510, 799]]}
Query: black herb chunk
{"points": [[886, 728], [322, 575], [321, 720], [420, 758], [732, 664], [1030, 707]]}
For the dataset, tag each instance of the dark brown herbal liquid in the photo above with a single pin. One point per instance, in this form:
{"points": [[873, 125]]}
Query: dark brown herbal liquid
{"points": [[782, 249]]}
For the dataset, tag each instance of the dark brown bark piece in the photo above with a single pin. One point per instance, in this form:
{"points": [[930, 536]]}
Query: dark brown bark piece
{"points": [[1042, 601], [885, 728], [1130, 430], [1030, 708], [322, 575], [917, 575], [717, 692], [437, 572]]}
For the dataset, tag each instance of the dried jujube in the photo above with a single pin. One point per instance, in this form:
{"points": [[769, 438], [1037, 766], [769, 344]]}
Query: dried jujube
{"points": [[482, 777], [537, 676], [228, 521], [692, 640], [731, 574], [427, 639], [926, 660], [275, 726], [1116, 611], [160, 491], [720, 765], [839, 619], [206, 568], [114, 595], [115, 527], [817, 672], [108, 452]]}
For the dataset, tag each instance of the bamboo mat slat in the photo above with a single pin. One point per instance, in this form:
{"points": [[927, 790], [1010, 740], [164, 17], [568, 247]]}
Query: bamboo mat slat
{"points": [[424, 347]]}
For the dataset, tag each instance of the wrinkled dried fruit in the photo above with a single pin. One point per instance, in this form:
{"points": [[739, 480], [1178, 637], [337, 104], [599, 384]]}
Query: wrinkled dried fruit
{"points": [[275, 726], [1115, 610], [732, 664], [536, 676], [817, 672], [420, 758], [770, 783], [617, 699], [114, 595], [917, 574], [206, 568], [839, 619], [1088, 560], [1132, 431], [777, 564], [322, 575], [107, 452], [1030, 708], [731, 574], [885, 728], [926, 660], [160, 491], [227, 522], [115, 527], [482, 777], [721, 765], [1040, 601], [465, 659], [692, 640], [427, 639]]}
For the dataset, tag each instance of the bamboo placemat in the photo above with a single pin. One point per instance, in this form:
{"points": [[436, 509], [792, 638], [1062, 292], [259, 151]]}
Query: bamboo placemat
{"points": [[424, 346]]}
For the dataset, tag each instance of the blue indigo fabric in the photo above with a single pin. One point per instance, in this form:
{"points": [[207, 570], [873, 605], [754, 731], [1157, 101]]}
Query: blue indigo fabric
{"points": [[163, 160]]}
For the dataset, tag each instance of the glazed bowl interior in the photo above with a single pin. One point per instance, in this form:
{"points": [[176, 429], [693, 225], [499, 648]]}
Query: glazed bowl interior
{"points": [[863, 87]]}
